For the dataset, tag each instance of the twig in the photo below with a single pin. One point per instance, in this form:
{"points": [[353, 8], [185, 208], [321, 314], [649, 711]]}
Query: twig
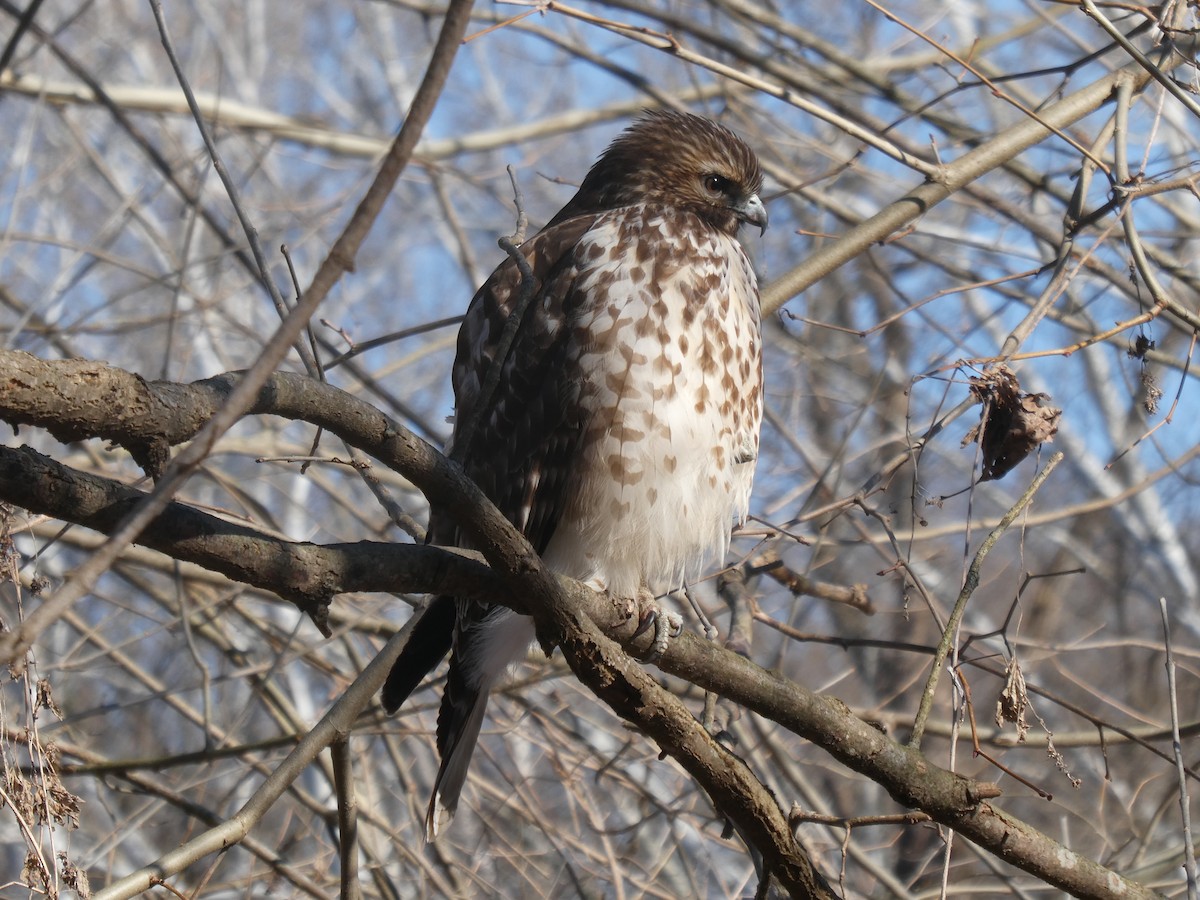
{"points": [[1166, 420], [360, 347], [951, 178], [400, 518], [231, 190], [797, 817], [259, 120], [995, 88], [23, 24], [1140, 262], [773, 567], [969, 584], [518, 236], [312, 365], [1155, 71], [1140, 319], [936, 295], [1189, 853], [343, 775], [979, 751]]}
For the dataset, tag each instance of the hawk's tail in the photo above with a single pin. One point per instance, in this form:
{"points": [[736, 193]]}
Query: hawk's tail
{"points": [[429, 642], [488, 640], [461, 713], [459, 720]]}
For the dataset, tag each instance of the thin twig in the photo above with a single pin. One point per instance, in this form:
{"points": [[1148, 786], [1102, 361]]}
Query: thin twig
{"points": [[917, 201], [315, 369], [357, 348], [23, 24], [260, 258], [1140, 319], [338, 721], [313, 366], [969, 584], [1155, 71], [798, 816], [979, 751], [518, 236], [668, 43], [343, 775], [400, 518], [1189, 853], [995, 88], [1167, 419]]}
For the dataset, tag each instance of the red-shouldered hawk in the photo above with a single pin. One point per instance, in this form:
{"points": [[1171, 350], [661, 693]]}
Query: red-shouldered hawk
{"points": [[622, 433]]}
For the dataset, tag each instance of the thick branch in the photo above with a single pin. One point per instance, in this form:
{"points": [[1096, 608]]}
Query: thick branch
{"points": [[308, 575]]}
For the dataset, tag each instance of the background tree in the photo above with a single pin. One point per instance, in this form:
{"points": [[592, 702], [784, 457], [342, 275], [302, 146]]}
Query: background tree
{"points": [[1010, 184]]}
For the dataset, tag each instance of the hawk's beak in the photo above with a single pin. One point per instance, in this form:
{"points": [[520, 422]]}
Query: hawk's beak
{"points": [[751, 210]]}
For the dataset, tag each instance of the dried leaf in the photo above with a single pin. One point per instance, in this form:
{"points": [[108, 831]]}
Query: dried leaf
{"points": [[1151, 392], [1140, 347], [1011, 424], [45, 698], [74, 877], [1013, 701]]}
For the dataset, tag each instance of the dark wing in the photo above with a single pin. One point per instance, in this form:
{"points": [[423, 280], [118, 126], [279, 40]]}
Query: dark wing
{"points": [[515, 435]]}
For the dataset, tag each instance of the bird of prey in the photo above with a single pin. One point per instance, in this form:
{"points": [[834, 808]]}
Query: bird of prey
{"points": [[622, 432]]}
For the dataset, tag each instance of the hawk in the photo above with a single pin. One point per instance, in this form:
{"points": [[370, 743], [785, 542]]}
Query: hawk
{"points": [[622, 432]]}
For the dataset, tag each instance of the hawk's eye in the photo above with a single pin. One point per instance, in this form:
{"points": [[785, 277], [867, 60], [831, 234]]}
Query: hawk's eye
{"points": [[715, 184]]}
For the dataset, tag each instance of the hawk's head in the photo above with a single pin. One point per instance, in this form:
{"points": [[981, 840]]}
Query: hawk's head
{"points": [[681, 161]]}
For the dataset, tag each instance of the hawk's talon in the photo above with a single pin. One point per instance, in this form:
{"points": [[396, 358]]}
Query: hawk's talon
{"points": [[666, 624], [646, 618]]}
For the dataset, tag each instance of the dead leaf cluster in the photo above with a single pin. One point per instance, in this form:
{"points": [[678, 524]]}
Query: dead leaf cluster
{"points": [[1012, 422]]}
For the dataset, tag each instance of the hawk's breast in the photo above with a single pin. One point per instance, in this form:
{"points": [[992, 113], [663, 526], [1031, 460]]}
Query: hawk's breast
{"points": [[665, 348]]}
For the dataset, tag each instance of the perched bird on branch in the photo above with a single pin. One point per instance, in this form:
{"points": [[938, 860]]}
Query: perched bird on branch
{"points": [[609, 405]]}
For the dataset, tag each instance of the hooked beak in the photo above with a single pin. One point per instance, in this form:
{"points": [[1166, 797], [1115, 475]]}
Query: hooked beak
{"points": [[751, 210]]}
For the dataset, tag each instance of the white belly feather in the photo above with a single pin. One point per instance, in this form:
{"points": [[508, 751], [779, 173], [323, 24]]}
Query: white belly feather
{"points": [[672, 381]]}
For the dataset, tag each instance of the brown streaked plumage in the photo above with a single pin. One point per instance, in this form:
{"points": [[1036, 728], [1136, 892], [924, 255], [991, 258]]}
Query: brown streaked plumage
{"points": [[622, 434]]}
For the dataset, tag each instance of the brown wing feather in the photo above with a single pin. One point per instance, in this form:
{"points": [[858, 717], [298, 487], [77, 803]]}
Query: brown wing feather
{"points": [[523, 438]]}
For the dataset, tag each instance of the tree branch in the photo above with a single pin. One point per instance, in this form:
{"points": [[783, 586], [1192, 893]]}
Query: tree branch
{"points": [[309, 575]]}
